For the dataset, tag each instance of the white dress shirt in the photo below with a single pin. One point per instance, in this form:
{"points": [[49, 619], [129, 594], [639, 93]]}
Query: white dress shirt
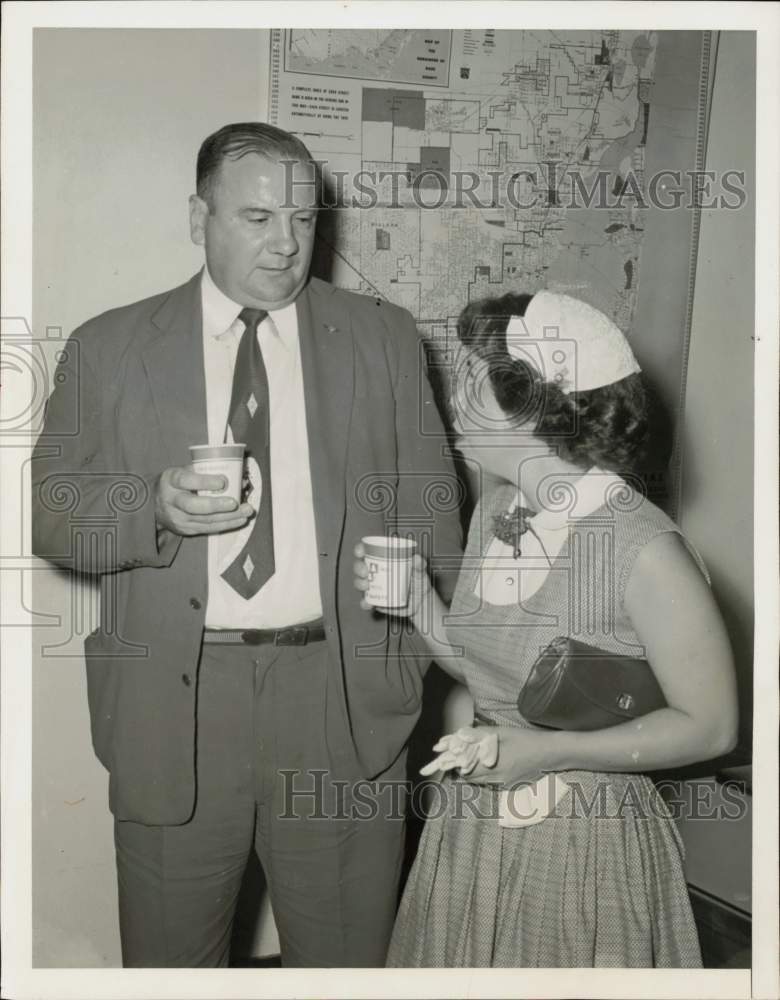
{"points": [[292, 594]]}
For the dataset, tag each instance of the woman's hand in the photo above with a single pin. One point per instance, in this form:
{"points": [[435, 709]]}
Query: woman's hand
{"points": [[419, 587], [501, 755], [523, 755], [460, 750], [424, 608]]}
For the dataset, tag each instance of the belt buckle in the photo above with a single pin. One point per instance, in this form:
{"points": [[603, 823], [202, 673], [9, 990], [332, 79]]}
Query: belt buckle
{"points": [[252, 637], [296, 635]]}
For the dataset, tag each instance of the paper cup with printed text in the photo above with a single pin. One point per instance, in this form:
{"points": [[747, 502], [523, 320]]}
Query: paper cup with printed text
{"points": [[388, 560], [220, 460]]}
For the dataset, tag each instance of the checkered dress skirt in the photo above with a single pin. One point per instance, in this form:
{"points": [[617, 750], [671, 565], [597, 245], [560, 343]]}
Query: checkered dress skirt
{"points": [[600, 883]]}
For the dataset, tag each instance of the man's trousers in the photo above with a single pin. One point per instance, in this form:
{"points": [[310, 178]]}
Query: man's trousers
{"points": [[331, 852]]}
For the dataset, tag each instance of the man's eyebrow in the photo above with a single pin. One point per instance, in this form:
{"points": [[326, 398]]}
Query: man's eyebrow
{"points": [[265, 210]]}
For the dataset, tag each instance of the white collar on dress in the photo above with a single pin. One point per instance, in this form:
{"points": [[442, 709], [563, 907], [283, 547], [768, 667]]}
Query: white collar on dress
{"points": [[577, 497], [506, 580]]}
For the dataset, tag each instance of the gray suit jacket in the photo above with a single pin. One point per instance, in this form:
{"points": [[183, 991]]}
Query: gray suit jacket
{"points": [[129, 398]]}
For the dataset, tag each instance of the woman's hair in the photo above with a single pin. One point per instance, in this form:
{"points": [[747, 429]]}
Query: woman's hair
{"points": [[607, 427]]}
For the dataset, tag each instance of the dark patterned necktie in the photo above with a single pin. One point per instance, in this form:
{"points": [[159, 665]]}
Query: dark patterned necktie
{"points": [[249, 421]]}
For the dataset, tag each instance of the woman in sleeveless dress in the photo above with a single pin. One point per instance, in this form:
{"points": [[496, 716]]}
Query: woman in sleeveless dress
{"points": [[546, 848]]}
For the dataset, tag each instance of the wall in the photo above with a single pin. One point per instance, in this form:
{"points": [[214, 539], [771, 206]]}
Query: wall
{"points": [[717, 463], [118, 118], [717, 468]]}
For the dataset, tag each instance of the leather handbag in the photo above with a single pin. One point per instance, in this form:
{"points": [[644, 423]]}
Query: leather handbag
{"points": [[574, 686]]}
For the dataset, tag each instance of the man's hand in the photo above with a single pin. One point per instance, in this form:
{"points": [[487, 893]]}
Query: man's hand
{"points": [[180, 510]]}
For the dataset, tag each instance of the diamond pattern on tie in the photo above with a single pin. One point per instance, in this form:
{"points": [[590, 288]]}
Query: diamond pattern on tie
{"points": [[249, 420]]}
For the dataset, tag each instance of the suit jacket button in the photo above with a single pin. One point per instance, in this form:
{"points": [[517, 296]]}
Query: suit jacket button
{"points": [[185, 679], [195, 603]]}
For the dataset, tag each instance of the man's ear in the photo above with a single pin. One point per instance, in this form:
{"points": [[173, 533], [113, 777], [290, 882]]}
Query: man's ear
{"points": [[198, 212]]}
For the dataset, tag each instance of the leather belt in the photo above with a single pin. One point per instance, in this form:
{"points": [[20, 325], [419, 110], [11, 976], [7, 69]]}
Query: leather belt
{"points": [[293, 635]]}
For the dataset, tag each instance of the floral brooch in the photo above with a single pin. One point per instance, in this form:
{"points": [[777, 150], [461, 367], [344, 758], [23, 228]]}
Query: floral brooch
{"points": [[510, 525]]}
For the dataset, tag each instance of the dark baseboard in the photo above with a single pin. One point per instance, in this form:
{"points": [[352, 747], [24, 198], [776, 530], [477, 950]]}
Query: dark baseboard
{"points": [[724, 931], [272, 962]]}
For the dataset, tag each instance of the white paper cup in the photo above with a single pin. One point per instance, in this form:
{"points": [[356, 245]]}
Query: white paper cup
{"points": [[389, 563], [220, 460]]}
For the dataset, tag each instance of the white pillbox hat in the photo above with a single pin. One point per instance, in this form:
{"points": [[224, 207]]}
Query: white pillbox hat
{"points": [[571, 344]]}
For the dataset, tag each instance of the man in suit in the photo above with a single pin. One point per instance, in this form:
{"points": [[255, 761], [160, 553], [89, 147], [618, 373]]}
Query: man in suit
{"points": [[238, 696]]}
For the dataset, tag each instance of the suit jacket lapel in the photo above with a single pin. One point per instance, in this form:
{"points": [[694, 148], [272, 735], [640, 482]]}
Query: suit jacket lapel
{"points": [[328, 364], [174, 366]]}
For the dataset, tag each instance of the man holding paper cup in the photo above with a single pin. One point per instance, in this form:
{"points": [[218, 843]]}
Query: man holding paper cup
{"points": [[236, 689]]}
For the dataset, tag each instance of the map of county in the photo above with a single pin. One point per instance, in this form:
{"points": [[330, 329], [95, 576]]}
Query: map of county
{"points": [[527, 170], [398, 56]]}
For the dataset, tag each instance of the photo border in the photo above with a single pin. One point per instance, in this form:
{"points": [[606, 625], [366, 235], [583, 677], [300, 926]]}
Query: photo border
{"points": [[20, 979]]}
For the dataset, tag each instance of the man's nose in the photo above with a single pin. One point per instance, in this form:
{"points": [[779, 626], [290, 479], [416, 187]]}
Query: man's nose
{"points": [[283, 239]]}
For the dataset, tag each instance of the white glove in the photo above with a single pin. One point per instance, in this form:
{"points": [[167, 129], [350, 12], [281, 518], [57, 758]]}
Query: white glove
{"points": [[464, 750]]}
